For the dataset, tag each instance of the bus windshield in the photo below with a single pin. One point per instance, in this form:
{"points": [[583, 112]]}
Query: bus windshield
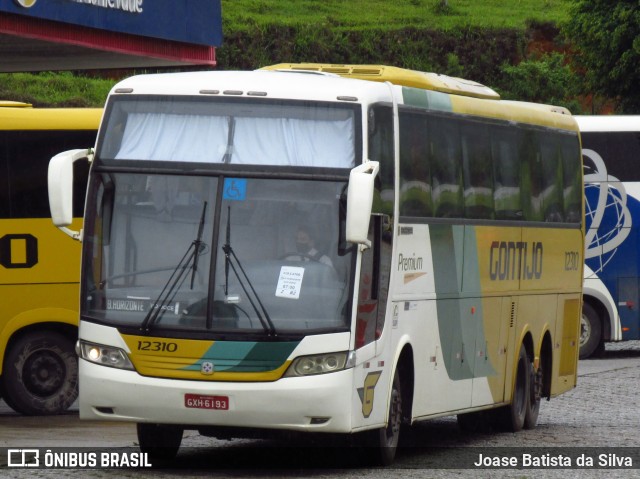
{"points": [[217, 254], [244, 131]]}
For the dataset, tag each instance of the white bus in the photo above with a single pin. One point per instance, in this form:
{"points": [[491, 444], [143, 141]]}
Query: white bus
{"points": [[345, 250], [611, 155]]}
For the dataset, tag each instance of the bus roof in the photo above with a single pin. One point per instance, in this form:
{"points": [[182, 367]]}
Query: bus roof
{"points": [[608, 122], [397, 76], [14, 104], [324, 84], [24, 118]]}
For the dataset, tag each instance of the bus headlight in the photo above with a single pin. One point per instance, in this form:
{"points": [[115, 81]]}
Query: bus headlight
{"points": [[104, 355], [320, 364]]}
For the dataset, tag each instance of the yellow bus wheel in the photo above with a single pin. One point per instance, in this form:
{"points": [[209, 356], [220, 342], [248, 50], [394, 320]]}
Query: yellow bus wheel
{"points": [[40, 374]]}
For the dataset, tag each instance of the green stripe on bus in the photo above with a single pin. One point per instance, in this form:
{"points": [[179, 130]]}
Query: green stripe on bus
{"points": [[245, 356], [432, 100]]}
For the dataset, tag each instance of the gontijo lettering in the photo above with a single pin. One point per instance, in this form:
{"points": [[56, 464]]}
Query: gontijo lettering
{"points": [[510, 260]]}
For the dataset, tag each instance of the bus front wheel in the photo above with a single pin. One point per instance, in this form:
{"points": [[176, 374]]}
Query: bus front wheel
{"points": [[159, 441], [40, 374], [386, 439]]}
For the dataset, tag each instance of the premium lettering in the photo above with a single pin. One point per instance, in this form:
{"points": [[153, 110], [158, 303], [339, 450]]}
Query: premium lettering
{"points": [[410, 263]]}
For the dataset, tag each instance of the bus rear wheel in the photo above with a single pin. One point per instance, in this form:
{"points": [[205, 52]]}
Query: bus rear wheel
{"points": [[512, 417], [40, 374], [536, 378], [159, 441]]}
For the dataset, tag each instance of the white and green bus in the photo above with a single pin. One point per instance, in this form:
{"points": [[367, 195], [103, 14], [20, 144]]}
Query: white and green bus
{"points": [[325, 249]]}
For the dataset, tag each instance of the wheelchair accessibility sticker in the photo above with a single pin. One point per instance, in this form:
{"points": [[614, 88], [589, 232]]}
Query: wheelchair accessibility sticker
{"points": [[235, 189]]}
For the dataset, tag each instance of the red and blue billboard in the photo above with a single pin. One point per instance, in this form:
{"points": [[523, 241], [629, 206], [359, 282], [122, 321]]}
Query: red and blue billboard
{"points": [[188, 21]]}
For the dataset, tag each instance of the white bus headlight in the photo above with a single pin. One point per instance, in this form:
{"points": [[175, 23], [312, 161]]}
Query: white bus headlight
{"points": [[104, 355], [319, 364]]}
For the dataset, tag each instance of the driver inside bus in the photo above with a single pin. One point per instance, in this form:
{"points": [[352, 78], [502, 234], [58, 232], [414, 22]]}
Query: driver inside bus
{"points": [[306, 247]]}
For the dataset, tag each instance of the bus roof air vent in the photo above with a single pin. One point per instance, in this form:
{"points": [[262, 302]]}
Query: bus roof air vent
{"points": [[397, 76], [14, 104]]}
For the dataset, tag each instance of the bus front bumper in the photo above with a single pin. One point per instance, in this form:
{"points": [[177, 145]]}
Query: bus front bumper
{"points": [[320, 403]]}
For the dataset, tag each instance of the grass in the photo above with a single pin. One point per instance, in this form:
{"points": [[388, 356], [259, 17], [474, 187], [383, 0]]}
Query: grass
{"points": [[365, 14], [54, 89], [259, 31]]}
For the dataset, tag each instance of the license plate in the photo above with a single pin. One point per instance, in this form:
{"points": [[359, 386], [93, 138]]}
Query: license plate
{"points": [[198, 401]]}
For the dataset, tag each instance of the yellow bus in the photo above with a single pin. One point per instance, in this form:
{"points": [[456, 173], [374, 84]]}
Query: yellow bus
{"points": [[39, 266], [325, 249]]}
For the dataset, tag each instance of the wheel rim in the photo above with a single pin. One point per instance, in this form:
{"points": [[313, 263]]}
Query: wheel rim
{"points": [[392, 431], [43, 373], [585, 330]]}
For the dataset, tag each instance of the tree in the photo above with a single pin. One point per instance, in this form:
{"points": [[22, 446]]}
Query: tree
{"points": [[606, 35], [547, 79]]}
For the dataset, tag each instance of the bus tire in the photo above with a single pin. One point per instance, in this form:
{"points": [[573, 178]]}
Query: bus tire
{"points": [[159, 441], [512, 417], [590, 331], [536, 379], [40, 374], [385, 440]]}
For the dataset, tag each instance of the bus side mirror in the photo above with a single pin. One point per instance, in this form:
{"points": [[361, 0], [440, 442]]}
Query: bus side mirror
{"points": [[60, 185], [359, 202]]}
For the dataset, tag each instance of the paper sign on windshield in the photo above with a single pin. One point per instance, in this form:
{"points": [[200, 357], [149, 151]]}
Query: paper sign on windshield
{"points": [[290, 282]]}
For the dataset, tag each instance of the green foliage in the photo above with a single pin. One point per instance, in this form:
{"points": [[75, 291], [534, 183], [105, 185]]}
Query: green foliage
{"points": [[54, 89], [245, 15], [475, 53], [606, 34], [547, 79], [465, 38]]}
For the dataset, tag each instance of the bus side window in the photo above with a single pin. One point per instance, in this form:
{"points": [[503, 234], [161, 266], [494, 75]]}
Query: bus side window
{"points": [[445, 163], [381, 149], [415, 176], [477, 171], [530, 173], [552, 204], [4, 175], [506, 174], [572, 179]]}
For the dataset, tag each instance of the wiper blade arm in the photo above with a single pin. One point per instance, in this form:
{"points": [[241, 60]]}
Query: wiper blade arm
{"points": [[264, 317], [177, 278], [198, 245]]}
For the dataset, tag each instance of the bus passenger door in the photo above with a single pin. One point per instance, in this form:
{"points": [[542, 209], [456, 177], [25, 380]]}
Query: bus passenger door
{"points": [[373, 287], [372, 290]]}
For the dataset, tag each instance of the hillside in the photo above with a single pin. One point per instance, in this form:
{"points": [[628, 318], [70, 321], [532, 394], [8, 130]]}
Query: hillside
{"points": [[470, 38], [248, 15]]}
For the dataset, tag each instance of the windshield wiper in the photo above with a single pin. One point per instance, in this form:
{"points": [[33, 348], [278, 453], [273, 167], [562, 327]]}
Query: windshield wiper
{"points": [[229, 259], [177, 278], [198, 245]]}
